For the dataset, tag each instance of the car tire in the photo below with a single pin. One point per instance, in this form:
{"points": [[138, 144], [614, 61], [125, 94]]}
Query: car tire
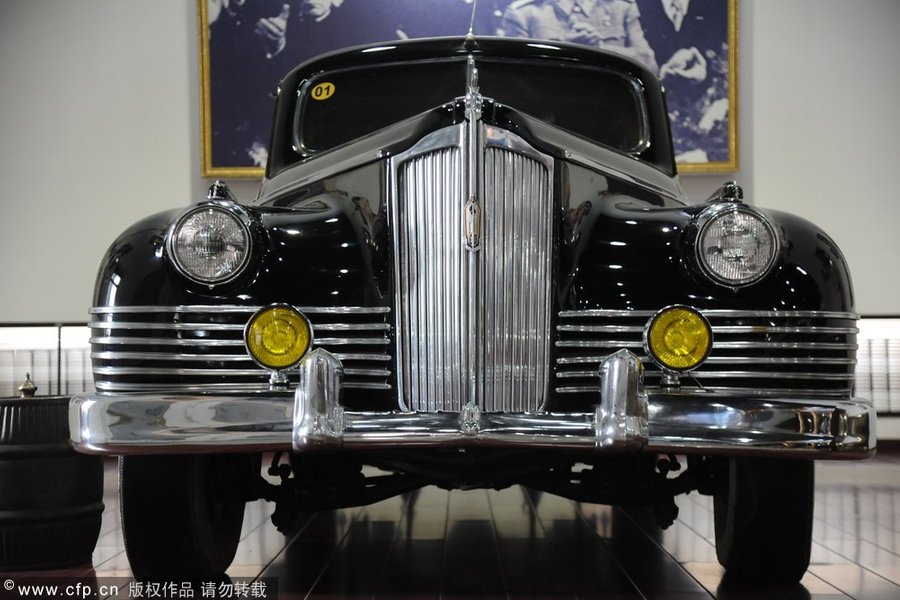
{"points": [[763, 519], [182, 515]]}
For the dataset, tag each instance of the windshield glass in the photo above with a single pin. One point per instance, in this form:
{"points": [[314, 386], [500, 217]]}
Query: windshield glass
{"points": [[599, 104], [340, 106]]}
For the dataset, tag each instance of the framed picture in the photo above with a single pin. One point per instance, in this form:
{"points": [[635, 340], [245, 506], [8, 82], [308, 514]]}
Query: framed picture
{"points": [[246, 46]]}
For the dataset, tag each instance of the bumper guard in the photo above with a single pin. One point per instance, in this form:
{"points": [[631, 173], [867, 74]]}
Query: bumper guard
{"points": [[626, 419]]}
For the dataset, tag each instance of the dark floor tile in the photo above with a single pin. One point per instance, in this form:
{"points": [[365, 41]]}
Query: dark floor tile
{"points": [[515, 543]]}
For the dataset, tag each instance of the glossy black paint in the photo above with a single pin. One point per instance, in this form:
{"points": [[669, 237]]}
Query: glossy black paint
{"points": [[620, 243], [282, 154], [622, 251], [324, 245], [618, 250]]}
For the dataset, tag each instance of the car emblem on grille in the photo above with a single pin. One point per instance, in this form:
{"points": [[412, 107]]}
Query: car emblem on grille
{"points": [[472, 216]]}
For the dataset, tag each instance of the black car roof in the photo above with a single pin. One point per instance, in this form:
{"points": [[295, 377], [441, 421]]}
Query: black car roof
{"points": [[433, 48]]}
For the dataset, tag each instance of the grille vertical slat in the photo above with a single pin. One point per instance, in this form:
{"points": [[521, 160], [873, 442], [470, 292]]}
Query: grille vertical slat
{"points": [[432, 263], [509, 305], [516, 270]]}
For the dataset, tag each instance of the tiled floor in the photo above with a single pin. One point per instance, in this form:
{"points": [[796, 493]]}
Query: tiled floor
{"points": [[516, 544]]}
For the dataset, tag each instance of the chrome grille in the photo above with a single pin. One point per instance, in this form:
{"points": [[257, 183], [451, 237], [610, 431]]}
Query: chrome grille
{"points": [[473, 326], [515, 306], [201, 348], [432, 278], [790, 352]]}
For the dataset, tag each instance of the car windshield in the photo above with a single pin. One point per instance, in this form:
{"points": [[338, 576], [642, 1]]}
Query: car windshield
{"points": [[601, 105]]}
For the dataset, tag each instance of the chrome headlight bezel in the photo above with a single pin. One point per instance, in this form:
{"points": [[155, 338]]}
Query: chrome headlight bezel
{"points": [[713, 215], [227, 209]]}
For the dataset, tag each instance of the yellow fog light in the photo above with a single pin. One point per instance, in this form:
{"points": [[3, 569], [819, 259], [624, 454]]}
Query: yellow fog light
{"points": [[278, 336], [678, 338]]}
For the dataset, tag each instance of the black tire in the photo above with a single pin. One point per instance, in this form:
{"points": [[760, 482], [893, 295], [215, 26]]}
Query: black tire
{"points": [[51, 498], [764, 518], [182, 515]]}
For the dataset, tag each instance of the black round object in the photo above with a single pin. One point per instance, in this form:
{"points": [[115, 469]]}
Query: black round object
{"points": [[182, 515], [763, 512], [51, 497]]}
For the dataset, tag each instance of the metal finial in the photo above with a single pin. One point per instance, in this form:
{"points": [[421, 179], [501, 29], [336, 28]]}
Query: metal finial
{"points": [[219, 190], [27, 389], [731, 192]]}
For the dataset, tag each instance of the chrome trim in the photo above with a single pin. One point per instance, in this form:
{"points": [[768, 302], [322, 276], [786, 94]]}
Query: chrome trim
{"points": [[115, 310], [716, 211], [167, 357], [678, 422], [516, 284], [456, 310], [431, 286], [763, 329], [226, 308], [167, 342], [755, 329], [353, 327], [234, 372], [177, 372], [568, 360], [318, 417], [230, 208], [716, 312], [731, 390], [599, 344], [474, 173], [163, 326], [196, 348], [719, 345], [160, 424], [342, 356], [179, 388], [726, 375], [790, 353], [353, 341], [621, 414], [599, 328], [729, 425], [362, 152]]}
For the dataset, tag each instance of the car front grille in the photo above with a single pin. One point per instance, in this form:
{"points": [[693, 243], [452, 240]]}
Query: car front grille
{"points": [[799, 353], [474, 326], [201, 348]]}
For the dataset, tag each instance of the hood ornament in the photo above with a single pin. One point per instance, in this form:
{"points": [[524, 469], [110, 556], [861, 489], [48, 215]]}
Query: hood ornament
{"points": [[472, 210], [474, 99]]}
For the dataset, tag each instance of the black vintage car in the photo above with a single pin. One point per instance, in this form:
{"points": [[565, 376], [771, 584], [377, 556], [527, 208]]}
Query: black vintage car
{"points": [[471, 264]]}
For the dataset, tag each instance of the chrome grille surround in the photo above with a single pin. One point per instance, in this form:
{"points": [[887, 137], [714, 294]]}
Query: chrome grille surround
{"points": [[201, 348], [754, 352], [473, 323]]}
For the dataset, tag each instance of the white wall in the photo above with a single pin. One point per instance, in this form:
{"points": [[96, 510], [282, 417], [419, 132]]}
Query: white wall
{"points": [[99, 127]]}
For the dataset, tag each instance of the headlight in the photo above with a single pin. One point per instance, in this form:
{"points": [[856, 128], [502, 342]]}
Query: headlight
{"points": [[278, 336], [210, 244], [736, 246], [678, 338]]}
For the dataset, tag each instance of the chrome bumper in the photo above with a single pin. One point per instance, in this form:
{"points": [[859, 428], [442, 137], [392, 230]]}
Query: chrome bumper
{"points": [[626, 419]]}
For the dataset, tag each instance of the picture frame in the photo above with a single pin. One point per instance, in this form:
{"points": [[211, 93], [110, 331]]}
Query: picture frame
{"points": [[245, 46]]}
